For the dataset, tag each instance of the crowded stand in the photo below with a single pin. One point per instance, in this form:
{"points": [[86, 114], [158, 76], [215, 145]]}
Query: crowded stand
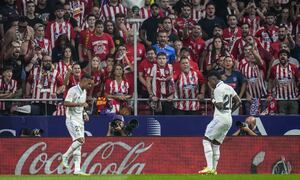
{"points": [[48, 46]]}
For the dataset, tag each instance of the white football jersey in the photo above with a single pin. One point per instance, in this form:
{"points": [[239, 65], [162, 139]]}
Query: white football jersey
{"points": [[77, 95], [223, 93]]}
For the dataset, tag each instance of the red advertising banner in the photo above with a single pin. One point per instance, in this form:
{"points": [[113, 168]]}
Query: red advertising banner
{"points": [[150, 155]]}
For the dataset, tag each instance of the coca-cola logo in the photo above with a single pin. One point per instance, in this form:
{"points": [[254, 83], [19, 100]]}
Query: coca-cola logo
{"points": [[43, 163]]}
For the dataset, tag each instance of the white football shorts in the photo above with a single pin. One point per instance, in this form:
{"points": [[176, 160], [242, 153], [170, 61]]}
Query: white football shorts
{"points": [[217, 130], [76, 130]]}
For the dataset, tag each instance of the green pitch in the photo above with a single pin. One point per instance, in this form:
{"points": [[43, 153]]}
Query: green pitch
{"points": [[155, 177]]}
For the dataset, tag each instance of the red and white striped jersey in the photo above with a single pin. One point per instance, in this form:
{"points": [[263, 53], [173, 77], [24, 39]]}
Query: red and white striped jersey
{"points": [[187, 86], [10, 87], [78, 11], [267, 36], [180, 24], [118, 89], [231, 36], [60, 109], [114, 88], [238, 48], [109, 12], [145, 13], [73, 81], [54, 30], [254, 23], [45, 45], [43, 84], [62, 68], [211, 59], [285, 81], [197, 15], [160, 87], [254, 75]]}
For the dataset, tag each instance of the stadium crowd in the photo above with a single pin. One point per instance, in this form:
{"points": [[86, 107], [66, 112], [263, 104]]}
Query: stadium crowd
{"points": [[47, 46]]}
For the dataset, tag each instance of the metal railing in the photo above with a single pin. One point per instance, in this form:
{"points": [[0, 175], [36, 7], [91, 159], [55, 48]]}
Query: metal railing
{"points": [[93, 100]]}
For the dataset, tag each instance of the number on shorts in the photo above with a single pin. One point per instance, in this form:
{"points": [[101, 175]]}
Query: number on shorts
{"points": [[77, 128]]}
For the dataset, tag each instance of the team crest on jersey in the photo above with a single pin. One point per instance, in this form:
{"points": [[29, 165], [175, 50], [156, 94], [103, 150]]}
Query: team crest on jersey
{"points": [[234, 79], [192, 79]]}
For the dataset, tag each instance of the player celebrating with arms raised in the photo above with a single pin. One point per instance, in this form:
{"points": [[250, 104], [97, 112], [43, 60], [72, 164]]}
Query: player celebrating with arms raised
{"points": [[75, 103], [225, 100]]}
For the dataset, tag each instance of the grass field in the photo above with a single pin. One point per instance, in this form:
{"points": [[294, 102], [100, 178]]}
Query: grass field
{"points": [[155, 177]]}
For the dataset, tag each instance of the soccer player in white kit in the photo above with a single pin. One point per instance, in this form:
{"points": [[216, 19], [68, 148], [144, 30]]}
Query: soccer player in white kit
{"points": [[75, 103], [225, 101]]}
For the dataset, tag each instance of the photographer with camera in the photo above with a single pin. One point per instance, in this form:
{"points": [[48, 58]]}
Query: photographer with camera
{"points": [[118, 127], [247, 128]]}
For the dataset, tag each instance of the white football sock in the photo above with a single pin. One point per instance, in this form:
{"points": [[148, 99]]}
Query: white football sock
{"points": [[216, 155], [208, 153], [77, 159], [72, 148]]}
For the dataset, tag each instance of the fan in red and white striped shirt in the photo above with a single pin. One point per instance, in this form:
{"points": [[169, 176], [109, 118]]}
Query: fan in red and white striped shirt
{"points": [[65, 65], [44, 82], [254, 69], [233, 32], [268, 33], [160, 85], [59, 27], [118, 88], [254, 23], [109, 10], [161, 78], [78, 9], [145, 12], [284, 77], [41, 41], [8, 87], [187, 86]]}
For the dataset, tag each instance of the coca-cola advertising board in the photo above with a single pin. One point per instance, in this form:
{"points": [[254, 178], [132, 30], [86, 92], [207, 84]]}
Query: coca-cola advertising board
{"points": [[150, 155]]}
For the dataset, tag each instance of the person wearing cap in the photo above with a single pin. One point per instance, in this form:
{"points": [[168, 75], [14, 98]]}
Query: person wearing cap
{"points": [[116, 127], [283, 84]]}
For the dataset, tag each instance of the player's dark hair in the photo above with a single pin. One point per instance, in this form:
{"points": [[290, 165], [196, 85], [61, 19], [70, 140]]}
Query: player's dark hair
{"points": [[214, 73], [151, 49], [87, 76], [99, 22], [154, 5], [162, 54]]}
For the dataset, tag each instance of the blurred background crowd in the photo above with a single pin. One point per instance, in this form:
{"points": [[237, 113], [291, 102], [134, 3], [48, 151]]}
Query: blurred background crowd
{"points": [[47, 45]]}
